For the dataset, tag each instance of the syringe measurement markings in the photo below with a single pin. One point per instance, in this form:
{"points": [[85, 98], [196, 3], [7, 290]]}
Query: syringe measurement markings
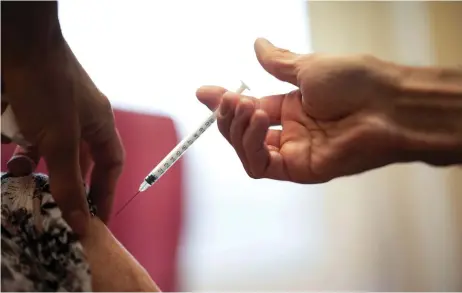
{"points": [[180, 149], [174, 157]]}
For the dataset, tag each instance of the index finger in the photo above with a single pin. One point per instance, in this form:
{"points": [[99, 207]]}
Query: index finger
{"points": [[212, 96]]}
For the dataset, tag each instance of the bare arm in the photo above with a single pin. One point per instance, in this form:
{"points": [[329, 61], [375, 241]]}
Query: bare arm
{"points": [[114, 269]]}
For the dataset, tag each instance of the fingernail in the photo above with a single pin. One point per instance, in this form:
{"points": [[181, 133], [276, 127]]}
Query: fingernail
{"points": [[266, 41], [263, 43]]}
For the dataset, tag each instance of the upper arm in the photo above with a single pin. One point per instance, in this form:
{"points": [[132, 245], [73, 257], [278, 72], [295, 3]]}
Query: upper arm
{"points": [[31, 219], [114, 269]]}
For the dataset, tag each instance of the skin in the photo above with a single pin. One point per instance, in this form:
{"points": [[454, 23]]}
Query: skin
{"points": [[71, 125], [57, 106], [349, 114], [113, 268]]}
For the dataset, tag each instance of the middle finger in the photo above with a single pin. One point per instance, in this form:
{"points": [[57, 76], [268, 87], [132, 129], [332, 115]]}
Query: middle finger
{"points": [[239, 124]]}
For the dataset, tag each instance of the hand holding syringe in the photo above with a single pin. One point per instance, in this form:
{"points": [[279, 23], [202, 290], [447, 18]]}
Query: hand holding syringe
{"points": [[178, 151]]}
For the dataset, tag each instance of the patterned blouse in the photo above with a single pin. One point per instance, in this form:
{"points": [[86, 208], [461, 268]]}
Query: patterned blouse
{"points": [[39, 250]]}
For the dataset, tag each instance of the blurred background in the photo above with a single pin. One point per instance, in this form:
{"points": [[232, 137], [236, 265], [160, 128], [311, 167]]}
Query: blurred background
{"points": [[394, 229]]}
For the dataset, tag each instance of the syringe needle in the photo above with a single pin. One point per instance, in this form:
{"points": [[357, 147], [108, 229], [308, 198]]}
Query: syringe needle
{"points": [[181, 148], [177, 152], [126, 204]]}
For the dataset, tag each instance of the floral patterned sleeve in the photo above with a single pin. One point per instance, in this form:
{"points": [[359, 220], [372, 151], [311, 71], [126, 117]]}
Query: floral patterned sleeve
{"points": [[39, 250]]}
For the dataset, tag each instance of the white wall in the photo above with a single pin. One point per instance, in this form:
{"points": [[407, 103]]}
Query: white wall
{"points": [[240, 234], [396, 228]]}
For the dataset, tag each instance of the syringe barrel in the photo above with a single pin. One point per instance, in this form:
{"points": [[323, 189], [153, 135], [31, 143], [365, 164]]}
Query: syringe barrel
{"points": [[183, 146], [179, 150]]}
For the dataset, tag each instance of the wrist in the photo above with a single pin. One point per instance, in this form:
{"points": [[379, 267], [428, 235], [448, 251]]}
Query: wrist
{"points": [[428, 113]]}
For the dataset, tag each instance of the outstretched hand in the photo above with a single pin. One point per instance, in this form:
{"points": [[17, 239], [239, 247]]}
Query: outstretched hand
{"points": [[335, 124]]}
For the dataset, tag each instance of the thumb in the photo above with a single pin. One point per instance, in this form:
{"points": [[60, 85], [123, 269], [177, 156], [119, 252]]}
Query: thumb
{"points": [[280, 63], [24, 161]]}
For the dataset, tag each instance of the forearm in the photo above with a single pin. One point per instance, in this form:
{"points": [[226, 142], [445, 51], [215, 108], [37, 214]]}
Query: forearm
{"points": [[428, 112], [30, 32]]}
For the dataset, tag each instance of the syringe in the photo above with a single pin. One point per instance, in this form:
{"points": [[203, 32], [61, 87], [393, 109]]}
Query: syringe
{"points": [[179, 150]]}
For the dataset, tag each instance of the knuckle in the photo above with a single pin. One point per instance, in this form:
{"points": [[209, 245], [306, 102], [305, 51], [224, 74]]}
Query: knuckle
{"points": [[116, 162], [119, 162], [283, 57], [105, 104], [248, 143]]}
